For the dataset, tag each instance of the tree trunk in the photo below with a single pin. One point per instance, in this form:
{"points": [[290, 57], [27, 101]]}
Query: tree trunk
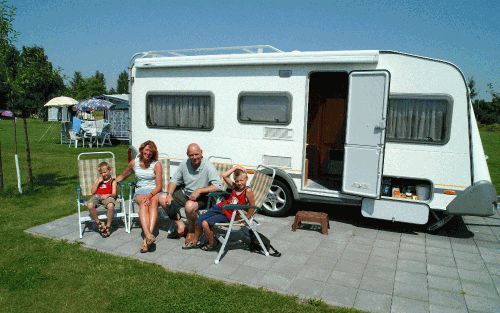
{"points": [[1, 169], [28, 154]]}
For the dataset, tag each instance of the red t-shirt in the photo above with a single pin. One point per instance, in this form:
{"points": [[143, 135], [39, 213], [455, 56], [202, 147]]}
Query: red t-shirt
{"points": [[105, 188], [234, 199]]}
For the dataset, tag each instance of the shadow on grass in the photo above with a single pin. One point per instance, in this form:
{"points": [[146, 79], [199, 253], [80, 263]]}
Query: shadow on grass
{"points": [[52, 180]]}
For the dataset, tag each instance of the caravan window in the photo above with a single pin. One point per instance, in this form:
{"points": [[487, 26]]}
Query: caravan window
{"points": [[180, 111], [420, 120], [264, 108]]}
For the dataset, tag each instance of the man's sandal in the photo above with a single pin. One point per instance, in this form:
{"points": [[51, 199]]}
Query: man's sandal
{"points": [[208, 247], [190, 245], [103, 229]]}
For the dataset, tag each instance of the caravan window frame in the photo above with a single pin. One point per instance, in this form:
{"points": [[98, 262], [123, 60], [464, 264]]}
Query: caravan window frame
{"points": [[264, 93], [183, 93], [449, 109]]}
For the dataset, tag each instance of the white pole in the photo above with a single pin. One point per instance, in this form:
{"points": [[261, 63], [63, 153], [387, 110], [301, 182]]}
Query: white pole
{"points": [[18, 174]]}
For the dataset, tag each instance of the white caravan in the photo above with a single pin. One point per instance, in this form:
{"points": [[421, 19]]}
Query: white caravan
{"points": [[391, 132]]}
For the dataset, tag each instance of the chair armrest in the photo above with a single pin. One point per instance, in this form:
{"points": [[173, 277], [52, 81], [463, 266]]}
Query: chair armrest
{"points": [[237, 207], [216, 194]]}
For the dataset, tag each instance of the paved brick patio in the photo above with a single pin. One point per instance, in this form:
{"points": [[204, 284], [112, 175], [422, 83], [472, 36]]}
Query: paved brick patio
{"points": [[371, 265]]}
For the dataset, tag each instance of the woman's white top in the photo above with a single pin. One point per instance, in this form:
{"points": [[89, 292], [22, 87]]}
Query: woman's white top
{"points": [[145, 178]]}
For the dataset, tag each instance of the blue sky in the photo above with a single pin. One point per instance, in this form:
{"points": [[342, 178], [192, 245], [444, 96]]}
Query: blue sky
{"points": [[103, 35]]}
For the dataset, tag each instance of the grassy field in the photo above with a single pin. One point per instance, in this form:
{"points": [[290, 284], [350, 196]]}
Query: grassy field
{"points": [[491, 145], [43, 275]]}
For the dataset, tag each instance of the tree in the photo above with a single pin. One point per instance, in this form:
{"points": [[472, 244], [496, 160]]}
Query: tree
{"points": [[35, 83], [471, 83], [77, 86], [122, 83], [95, 85], [8, 55]]}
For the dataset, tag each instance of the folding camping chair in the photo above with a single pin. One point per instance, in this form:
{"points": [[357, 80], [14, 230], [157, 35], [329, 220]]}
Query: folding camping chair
{"points": [[132, 212], [87, 172], [261, 184], [221, 167]]}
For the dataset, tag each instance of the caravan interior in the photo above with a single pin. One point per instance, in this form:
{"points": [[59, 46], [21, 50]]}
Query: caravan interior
{"points": [[326, 121]]}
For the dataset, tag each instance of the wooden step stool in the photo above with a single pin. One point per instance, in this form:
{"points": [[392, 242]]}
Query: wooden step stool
{"points": [[314, 217]]}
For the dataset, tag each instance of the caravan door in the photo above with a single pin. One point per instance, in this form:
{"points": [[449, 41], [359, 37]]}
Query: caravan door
{"points": [[365, 133]]}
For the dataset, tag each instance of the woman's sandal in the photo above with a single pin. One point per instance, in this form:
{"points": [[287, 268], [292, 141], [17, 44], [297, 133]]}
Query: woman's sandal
{"points": [[144, 247], [150, 240]]}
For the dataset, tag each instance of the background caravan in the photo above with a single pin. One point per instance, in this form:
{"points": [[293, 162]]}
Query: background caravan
{"points": [[392, 132]]}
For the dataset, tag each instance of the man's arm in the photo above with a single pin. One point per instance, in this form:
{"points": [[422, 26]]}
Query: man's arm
{"points": [[126, 173]]}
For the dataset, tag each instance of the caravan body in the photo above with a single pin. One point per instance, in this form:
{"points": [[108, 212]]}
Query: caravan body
{"points": [[392, 132]]}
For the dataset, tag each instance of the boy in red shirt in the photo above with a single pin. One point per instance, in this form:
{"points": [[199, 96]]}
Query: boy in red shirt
{"points": [[104, 192], [240, 194]]}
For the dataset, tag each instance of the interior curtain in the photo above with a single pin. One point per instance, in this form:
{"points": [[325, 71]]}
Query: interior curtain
{"points": [[417, 120], [182, 111]]}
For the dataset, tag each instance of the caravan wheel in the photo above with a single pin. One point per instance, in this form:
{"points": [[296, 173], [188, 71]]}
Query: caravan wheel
{"points": [[279, 200]]}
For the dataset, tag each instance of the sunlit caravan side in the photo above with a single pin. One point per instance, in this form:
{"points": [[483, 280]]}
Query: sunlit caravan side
{"points": [[390, 132]]}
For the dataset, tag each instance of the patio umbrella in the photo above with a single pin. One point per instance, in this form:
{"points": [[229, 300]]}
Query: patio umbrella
{"points": [[6, 113], [61, 102], [93, 104]]}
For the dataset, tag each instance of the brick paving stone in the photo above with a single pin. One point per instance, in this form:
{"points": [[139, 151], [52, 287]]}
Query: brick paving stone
{"points": [[382, 262], [411, 278], [412, 255], [420, 248], [479, 276], [447, 299], [442, 271], [386, 244], [439, 251], [372, 302], [379, 271], [385, 253], [411, 291], [247, 275], [482, 304], [350, 267], [412, 266], [406, 305], [377, 284], [306, 287], [479, 289], [276, 281], [339, 295], [436, 308], [345, 279], [171, 261], [444, 283], [440, 260]]}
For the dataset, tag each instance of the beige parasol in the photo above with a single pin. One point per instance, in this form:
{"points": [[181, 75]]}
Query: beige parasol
{"points": [[61, 102]]}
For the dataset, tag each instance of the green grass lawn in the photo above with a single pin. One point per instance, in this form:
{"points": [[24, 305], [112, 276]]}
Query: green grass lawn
{"points": [[491, 145], [43, 275]]}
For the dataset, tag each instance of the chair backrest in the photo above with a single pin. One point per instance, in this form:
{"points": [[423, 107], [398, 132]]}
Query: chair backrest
{"points": [[77, 123], [261, 184], [165, 165], [221, 167], [87, 170]]}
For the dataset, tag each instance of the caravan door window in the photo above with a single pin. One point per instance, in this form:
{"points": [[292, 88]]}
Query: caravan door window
{"points": [[419, 120], [264, 108], [180, 111]]}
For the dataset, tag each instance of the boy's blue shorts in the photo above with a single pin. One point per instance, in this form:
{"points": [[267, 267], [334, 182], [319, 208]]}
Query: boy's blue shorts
{"points": [[212, 216]]}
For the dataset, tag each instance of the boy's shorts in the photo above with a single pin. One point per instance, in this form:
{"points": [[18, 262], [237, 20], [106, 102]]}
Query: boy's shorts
{"points": [[96, 200], [212, 217]]}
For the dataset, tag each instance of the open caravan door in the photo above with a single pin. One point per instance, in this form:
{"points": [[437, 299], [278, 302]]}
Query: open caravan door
{"points": [[365, 133]]}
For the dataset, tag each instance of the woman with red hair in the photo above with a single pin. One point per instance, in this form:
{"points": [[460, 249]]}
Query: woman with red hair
{"points": [[148, 173]]}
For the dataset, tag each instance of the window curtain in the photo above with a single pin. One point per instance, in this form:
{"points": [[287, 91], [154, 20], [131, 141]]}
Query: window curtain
{"points": [[417, 120], [179, 111]]}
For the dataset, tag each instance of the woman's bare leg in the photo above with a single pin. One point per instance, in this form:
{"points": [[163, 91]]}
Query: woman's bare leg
{"points": [[153, 213], [143, 215]]}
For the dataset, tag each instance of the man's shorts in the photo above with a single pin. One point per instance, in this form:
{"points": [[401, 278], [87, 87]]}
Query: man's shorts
{"points": [[179, 201], [96, 200]]}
